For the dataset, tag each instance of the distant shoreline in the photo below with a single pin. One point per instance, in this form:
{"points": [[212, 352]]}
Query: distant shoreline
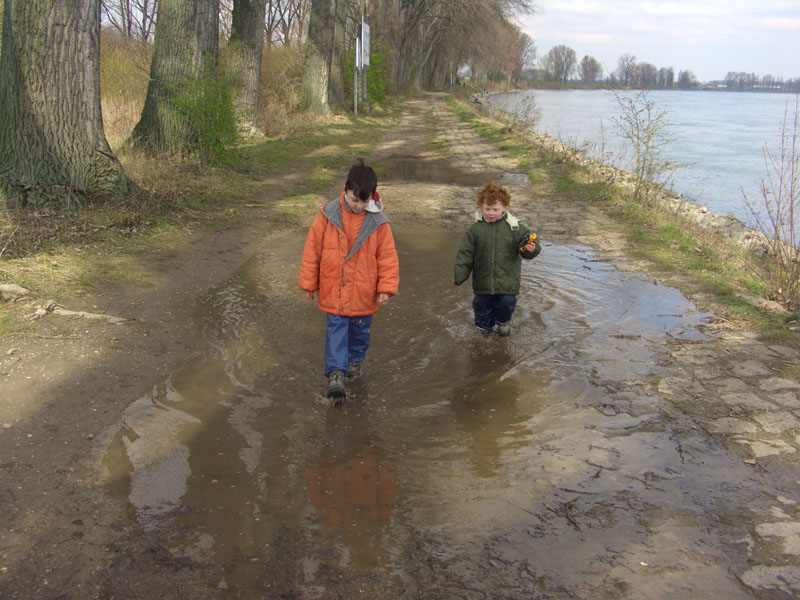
{"points": [[555, 87]]}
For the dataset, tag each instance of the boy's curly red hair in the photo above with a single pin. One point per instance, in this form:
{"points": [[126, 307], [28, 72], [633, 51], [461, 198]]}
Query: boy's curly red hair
{"points": [[493, 192]]}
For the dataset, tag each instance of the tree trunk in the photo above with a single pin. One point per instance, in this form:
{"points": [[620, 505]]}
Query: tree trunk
{"points": [[316, 76], [244, 59], [53, 148], [185, 50], [337, 92]]}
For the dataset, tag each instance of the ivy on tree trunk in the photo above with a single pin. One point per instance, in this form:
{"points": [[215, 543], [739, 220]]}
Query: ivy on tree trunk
{"points": [[185, 50]]}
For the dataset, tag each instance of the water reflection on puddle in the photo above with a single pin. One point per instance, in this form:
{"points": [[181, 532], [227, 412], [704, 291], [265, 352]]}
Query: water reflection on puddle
{"points": [[439, 171], [446, 450]]}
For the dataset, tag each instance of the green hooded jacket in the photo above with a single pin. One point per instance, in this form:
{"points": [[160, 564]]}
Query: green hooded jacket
{"points": [[491, 252]]}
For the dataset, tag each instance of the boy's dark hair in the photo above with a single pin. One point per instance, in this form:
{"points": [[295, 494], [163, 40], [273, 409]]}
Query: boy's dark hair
{"points": [[362, 180]]}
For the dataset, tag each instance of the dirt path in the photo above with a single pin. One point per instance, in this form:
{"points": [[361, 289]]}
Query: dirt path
{"points": [[716, 398]]}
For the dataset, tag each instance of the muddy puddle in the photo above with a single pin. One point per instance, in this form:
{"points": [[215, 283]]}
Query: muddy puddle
{"points": [[459, 467], [410, 170]]}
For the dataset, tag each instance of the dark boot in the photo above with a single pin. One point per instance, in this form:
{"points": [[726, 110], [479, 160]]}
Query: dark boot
{"points": [[354, 370], [336, 385]]}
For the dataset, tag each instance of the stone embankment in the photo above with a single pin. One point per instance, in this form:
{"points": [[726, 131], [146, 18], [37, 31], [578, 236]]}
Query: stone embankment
{"points": [[727, 226]]}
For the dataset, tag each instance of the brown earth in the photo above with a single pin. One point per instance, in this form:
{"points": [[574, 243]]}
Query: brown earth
{"points": [[63, 536]]}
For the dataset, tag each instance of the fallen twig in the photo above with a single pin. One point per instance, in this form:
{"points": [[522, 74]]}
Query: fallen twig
{"points": [[8, 241], [563, 511], [51, 307]]}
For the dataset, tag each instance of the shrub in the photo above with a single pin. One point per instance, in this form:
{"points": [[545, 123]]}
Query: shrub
{"points": [[644, 125], [777, 211], [207, 105], [124, 73], [279, 94], [378, 76]]}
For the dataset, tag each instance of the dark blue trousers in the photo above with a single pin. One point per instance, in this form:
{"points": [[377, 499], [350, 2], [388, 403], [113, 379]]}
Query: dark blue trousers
{"points": [[493, 309], [346, 340]]}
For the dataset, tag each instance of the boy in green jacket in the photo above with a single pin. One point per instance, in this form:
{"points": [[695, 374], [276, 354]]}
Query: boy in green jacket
{"points": [[492, 250]]}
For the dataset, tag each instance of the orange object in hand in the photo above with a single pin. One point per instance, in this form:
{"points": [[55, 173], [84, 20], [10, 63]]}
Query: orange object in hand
{"points": [[530, 240]]}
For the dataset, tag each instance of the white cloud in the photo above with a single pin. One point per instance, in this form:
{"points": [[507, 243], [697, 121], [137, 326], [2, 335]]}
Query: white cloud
{"points": [[675, 9], [710, 37], [595, 38], [582, 7], [643, 25], [780, 23]]}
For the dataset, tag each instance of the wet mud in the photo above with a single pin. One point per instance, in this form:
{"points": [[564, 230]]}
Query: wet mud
{"points": [[459, 466]]}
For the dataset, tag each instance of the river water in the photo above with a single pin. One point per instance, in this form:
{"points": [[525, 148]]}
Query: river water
{"points": [[718, 138]]}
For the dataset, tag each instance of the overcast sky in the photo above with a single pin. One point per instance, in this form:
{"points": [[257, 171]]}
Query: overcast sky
{"points": [[708, 37]]}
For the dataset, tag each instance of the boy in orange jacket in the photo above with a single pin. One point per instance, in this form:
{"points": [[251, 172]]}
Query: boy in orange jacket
{"points": [[350, 261]]}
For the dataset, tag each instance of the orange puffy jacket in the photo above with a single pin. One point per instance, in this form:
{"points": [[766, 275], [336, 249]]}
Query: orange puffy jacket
{"points": [[348, 278]]}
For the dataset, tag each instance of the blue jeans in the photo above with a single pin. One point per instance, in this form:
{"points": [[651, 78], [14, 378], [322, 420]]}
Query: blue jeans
{"points": [[346, 340], [493, 309]]}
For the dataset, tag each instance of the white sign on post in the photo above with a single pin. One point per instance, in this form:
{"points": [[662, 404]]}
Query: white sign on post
{"points": [[364, 43]]}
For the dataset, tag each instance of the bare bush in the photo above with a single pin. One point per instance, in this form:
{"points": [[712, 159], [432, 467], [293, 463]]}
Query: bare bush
{"points": [[281, 78], [776, 212], [644, 125], [518, 112]]}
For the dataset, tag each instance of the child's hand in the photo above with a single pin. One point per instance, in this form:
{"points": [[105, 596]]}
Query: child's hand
{"points": [[310, 295], [383, 299], [530, 244]]}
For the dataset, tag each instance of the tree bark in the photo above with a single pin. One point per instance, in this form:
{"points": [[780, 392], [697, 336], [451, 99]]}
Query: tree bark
{"points": [[53, 148], [316, 76], [185, 49], [244, 59], [337, 93]]}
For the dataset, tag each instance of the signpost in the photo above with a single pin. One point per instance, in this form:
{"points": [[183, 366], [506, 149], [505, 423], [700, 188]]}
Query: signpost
{"points": [[361, 63], [364, 54]]}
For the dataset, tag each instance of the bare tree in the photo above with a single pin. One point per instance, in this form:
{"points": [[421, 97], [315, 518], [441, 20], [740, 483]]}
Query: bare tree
{"points": [[562, 60], [687, 80], [589, 70], [666, 77], [225, 18], [647, 75], [429, 39], [522, 53], [53, 149], [133, 18], [626, 69], [286, 21], [184, 51]]}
